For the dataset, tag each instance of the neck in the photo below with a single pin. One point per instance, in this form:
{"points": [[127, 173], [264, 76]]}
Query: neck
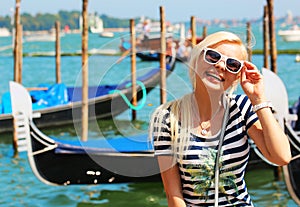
{"points": [[207, 104]]}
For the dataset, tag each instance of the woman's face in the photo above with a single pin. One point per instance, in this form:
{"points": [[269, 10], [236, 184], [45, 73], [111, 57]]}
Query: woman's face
{"points": [[216, 76]]}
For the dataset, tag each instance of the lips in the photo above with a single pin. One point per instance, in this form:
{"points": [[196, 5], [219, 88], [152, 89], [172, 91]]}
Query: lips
{"points": [[215, 76]]}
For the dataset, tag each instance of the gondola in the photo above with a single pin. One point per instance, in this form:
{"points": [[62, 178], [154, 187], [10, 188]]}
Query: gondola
{"points": [[292, 170], [117, 160], [148, 55], [60, 162], [105, 101], [286, 119], [155, 56]]}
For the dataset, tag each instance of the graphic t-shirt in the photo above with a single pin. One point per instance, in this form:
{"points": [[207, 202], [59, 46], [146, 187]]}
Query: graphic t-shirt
{"points": [[197, 164]]}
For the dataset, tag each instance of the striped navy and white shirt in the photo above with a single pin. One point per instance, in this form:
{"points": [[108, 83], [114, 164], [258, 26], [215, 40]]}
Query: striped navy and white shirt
{"points": [[198, 162]]}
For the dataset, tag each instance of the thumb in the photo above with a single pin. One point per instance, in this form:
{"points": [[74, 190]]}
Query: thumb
{"points": [[243, 75]]}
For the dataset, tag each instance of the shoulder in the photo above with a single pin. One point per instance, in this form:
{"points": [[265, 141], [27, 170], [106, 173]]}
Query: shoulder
{"points": [[162, 112], [240, 98], [160, 130], [241, 101], [242, 107]]}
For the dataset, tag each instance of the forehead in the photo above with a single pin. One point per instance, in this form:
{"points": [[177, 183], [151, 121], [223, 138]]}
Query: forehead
{"points": [[230, 50]]}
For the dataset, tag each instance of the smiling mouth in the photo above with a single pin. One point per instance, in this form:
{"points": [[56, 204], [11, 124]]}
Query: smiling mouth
{"points": [[215, 76]]}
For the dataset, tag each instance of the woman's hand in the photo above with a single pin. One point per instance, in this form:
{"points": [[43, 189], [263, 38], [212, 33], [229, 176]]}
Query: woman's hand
{"points": [[252, 83]]}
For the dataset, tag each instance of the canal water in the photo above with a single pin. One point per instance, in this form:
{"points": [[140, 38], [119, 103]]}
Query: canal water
{"points": [[19, 187]]}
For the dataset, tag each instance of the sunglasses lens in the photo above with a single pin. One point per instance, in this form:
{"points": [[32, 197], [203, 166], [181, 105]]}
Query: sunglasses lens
{"points": [[233, 65], [212, 56]]}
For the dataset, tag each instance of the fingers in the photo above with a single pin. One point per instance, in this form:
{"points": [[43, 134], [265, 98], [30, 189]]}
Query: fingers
{"points": [[252, 82], [250, 72]]}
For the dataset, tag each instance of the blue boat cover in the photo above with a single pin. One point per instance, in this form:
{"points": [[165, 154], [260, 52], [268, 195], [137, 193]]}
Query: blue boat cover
{"points": [[6, 103], [75, 93], [126, 45], [138, 143], [57, 94]]}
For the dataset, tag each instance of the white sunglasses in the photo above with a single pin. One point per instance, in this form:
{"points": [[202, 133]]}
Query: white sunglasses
{"points": [[212, 57]]}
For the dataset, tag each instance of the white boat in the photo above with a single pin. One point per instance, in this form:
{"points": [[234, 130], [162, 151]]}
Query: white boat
{"points": [[42, 37], [155, 26], [297, 58], [4, 32], [107, 34], [290, 35], [95, 23]]}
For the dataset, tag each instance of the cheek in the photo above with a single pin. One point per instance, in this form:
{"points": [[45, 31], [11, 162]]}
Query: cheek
{"points": [[231, 79], [203, 68]]}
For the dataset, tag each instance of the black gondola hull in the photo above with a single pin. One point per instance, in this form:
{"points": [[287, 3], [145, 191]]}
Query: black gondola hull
{"points": [[292, 170], [63, 164], [69, 169]]}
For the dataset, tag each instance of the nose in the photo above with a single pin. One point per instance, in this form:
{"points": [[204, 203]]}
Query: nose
{"points": [[221, 65]]}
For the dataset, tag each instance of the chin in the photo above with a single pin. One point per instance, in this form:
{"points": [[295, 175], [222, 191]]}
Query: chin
{"points": [[213, 85]]}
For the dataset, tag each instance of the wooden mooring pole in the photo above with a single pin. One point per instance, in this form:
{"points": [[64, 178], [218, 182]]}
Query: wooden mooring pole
{"points": [[193, 31], [270, 3], [204, 32], [18, 53], [17, 43], [249, 49], [57, 52], [163, 72], [133, 67], [266, 37], [272, 35], [84, 46]]}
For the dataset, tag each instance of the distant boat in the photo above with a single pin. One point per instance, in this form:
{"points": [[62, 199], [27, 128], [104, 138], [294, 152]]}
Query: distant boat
{"points": [[95, 23], [153, 43], [290, 35], [155, 26], [297, 58], [96, 26], [40, 38], [107, 34], [4, 32], [43, 36], [148, 55], [155, 56]]}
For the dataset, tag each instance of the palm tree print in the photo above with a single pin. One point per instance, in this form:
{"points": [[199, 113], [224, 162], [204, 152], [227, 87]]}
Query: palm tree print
{"points": [[203, 174]]}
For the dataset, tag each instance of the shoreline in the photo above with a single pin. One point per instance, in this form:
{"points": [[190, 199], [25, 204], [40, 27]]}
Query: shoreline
{"points": [[116, 53], [73, 31]]}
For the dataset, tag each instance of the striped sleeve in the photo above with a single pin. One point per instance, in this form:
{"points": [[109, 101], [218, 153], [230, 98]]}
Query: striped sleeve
{"points": [[247, 110], [161, 132]]}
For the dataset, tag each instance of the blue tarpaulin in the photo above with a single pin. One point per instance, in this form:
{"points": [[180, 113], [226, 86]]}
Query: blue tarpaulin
{"points": [[55, 95]]}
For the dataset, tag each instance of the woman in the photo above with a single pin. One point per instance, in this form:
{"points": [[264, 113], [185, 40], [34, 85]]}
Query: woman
{"points": [[211, 125]]}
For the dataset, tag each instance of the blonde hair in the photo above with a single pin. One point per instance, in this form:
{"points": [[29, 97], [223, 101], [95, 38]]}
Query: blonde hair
{"points": [[210, 41], [181, 110]]}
